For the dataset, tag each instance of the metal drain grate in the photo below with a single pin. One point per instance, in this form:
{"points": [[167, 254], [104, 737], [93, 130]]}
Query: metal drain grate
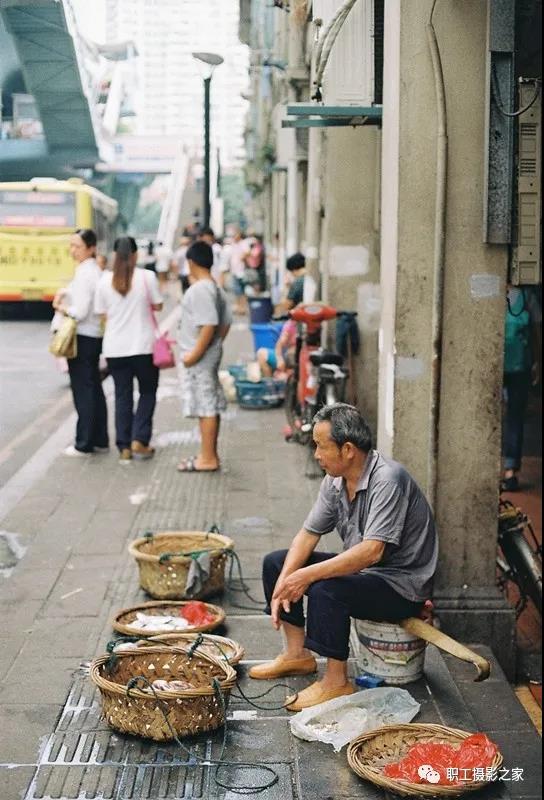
{"points": [[83, 758], [119, 783]]}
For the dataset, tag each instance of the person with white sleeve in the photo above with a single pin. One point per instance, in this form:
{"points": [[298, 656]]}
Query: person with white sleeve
{"points": [[76, 301], [126, 298]]}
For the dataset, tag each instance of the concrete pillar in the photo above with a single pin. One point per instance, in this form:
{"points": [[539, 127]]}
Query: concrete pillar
{"points": [[350, 260], [470, 361]]}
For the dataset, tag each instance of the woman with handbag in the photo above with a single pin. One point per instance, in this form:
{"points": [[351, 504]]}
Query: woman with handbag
{"points": [[76, 302], [126, 299]]}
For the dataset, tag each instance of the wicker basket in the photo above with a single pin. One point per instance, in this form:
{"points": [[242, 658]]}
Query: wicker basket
{"points": [[164, 560], [369, 753], [219, 646], [160, 715], [120, 622]]}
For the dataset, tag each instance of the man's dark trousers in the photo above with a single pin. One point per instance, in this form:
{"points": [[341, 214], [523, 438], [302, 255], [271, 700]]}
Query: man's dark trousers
{"points": [[332, 603]]}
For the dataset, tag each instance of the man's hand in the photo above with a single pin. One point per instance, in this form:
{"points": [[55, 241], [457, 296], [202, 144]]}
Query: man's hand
{"points": [[188, 360], [288, 590]]}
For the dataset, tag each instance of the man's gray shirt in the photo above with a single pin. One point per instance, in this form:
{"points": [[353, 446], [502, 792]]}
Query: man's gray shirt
{"points": [[388, 507]]}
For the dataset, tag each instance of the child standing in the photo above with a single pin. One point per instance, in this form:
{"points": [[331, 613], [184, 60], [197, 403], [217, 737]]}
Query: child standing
{"points": [[205, 322]]}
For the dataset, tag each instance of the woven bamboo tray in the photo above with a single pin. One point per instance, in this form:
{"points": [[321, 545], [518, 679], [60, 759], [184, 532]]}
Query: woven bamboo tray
{"points": [[369, 753], [145, 714], [219, 646], [164, 560], [121, 621]]}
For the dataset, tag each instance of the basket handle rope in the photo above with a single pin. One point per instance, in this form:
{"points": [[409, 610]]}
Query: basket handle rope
{"points": [[241, 584], [242, 696], [134, 683]]}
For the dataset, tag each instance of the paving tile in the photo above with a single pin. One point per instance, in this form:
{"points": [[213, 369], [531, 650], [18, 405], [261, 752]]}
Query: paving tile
{"points": [[29, 584], [449, 701], [500, 710], [32, 680], [326, 775], [64, 637], [24, 730], [522, 749], [14, 781], [257, 636]]}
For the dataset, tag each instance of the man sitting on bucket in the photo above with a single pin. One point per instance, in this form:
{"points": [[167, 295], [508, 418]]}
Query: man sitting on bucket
{"points": [[384, 573]]}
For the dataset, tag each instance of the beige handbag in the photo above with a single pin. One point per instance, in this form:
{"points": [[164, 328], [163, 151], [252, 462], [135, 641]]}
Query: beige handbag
{"points": [[63, 343]]}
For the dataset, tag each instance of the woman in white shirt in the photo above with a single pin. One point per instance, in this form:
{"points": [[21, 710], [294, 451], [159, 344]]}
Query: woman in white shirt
{"points": [[126, 299], [77, 300]]}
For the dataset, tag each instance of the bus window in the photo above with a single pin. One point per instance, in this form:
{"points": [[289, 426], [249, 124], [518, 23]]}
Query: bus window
{"points": [[24, 209]]}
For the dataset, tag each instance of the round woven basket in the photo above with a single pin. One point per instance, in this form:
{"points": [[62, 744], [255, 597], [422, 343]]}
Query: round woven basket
{"points": [[162, 714], [164, 560], [369, 753], [121, 621], [219, 646]]}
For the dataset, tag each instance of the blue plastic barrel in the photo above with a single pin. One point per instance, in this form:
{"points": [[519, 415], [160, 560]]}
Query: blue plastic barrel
{"points": [[266, 334]]}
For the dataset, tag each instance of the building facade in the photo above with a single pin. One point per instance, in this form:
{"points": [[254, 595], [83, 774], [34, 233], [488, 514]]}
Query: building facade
{"points": [[391, 162], [170, 87]]}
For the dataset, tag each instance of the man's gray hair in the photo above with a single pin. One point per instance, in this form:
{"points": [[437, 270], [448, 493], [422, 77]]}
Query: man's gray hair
{"points": [[347, 425]]}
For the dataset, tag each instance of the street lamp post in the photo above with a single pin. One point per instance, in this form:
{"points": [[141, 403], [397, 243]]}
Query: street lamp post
{"points": [[209, 61]]}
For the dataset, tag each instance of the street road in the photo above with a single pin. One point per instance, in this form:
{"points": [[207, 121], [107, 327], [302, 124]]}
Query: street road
{"points": [[34, 395]]}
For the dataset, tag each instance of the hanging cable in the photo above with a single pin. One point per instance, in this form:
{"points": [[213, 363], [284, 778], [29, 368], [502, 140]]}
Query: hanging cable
{"points": [[495, 91], [327, 41]]}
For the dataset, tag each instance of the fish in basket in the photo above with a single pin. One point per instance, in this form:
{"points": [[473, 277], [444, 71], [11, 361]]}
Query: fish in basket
{"points": [[159, 617], [221, 647], [178, 565], [161, 692]]}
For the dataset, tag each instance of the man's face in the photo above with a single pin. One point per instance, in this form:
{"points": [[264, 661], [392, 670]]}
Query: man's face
{"points": [[327, 453], [207, 238]]}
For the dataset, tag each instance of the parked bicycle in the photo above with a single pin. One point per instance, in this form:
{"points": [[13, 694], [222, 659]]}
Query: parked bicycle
{"points": [[319, 376], [519, 559]]}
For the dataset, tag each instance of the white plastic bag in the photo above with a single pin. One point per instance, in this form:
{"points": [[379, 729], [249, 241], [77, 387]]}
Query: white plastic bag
{"points": [[339, 721]]}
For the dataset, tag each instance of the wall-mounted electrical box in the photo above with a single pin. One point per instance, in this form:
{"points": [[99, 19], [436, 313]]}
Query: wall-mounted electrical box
{"points": [[527, 256]]}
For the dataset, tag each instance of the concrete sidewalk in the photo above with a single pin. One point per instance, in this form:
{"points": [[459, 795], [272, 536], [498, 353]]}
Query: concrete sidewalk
{"points": [[75, 519]]}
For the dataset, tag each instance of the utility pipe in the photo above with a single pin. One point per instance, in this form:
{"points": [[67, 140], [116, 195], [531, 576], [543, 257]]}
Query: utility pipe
{"points": [[438, 259], [313, 197]]}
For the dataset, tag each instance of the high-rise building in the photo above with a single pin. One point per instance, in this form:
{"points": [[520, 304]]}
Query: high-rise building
{"points": [[169, 96]]}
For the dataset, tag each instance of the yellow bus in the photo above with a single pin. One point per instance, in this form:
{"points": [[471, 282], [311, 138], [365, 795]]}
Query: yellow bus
{"points": [[37, 218]]}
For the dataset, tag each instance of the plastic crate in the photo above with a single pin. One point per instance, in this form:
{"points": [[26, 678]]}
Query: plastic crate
{"points": [[266, 334], [267, 393]]}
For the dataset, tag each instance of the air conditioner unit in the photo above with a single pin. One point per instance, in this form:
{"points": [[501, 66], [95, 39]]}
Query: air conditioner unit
{"points": [[354, 71]]}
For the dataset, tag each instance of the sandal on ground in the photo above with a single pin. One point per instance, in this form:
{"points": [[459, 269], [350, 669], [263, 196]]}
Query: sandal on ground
{"points": [[510, 484], [189, 465]]}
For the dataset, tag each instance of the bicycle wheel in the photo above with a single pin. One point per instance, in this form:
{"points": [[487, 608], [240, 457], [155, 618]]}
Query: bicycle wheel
{"points": [[525, 565], [292, 408]]}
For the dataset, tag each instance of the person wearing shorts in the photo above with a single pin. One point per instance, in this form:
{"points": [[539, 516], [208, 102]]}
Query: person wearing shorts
{"points": [[283, 354], [204, 324]]}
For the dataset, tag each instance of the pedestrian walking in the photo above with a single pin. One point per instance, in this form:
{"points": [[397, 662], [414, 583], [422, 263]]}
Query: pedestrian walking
{"points": [[255, 272], [204, 324], [385, 572], [218, 270], [77, 300], [126, 298], [522, 366], [238, 250]]}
